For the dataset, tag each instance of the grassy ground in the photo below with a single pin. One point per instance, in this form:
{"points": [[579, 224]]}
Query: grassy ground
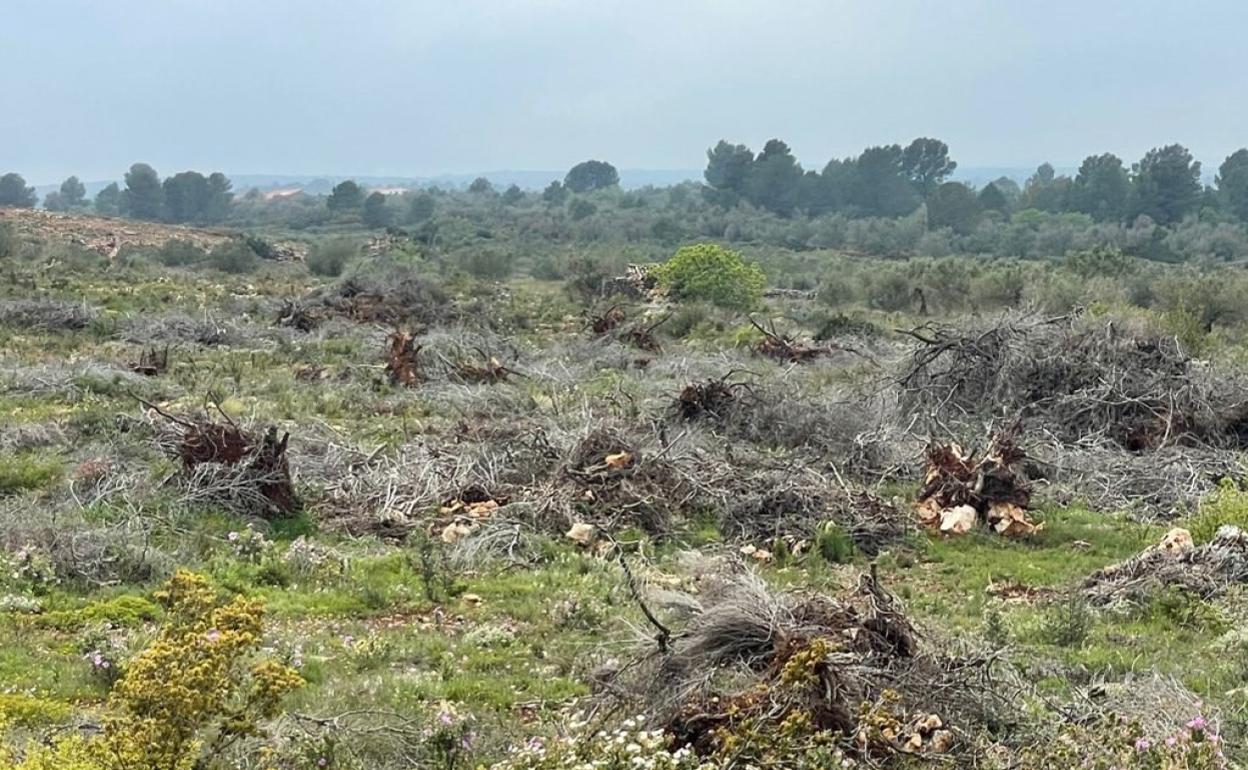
{"points": [[379, 625]]}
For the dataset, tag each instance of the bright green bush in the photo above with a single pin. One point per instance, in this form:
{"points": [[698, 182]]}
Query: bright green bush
{"points": [[1228, 505], [711, 273]]}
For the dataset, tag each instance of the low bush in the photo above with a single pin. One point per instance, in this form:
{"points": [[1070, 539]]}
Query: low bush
{"points": [[194, 691], [28, 470], [233, 257], [329, 258], [179, 253]]}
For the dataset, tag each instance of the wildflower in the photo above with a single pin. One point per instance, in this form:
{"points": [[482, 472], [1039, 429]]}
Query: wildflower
{"points": [[1197, 723], [1143, 744]]}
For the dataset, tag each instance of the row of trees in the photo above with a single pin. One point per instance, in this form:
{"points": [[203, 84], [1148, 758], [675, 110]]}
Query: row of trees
{"points": [[886, 181], [375, 211], [883, 181], [186, 197], [891, 181]]}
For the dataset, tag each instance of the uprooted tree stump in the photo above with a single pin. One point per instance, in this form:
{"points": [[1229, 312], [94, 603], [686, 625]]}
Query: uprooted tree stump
{"points": [[299, 316], [152, 362], [225, 464], [714, 398], [613, 317], [403, 360], [642, 337], [961, 489], [784, 348]]}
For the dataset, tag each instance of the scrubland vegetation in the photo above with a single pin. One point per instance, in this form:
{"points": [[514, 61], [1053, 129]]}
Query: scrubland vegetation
{"points": [[866, 472]]}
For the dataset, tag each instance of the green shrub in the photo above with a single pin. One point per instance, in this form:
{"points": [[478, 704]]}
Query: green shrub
{"points": [[1115, 742], [711, 273], [581, 209], [1067, 623], [233, 256], [488, 264], [28, 470], [28, 710], [179, 253], [1228, 505], [260, 247], [329, 258], [8, 241], [197, 688], [834, 544]]}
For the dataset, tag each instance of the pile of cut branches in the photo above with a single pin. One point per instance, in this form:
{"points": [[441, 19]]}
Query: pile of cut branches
{"points": [[1083, 381], [1204, 571], [749, 658], [784, 348], [961, 489], [406, 299], [610, 480], [793, 503]]}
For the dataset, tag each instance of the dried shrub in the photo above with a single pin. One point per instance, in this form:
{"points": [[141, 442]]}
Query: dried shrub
{"points": [[46, 314]]}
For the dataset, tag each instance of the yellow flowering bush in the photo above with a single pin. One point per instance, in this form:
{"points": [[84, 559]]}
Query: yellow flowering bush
{"points": [[194, 690]]}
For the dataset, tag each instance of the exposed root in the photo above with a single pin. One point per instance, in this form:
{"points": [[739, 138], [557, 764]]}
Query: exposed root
{"points": [[960, 490]]}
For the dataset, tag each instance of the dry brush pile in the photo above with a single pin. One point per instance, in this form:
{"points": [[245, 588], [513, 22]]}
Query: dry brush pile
{"points": [[1106, 405], [739, 656]]}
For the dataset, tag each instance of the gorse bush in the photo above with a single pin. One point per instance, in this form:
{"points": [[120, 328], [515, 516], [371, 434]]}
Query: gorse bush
{"points": [[196, 690], [713, 274]]}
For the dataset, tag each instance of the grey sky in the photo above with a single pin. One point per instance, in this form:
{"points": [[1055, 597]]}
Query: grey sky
{"points": [[420, 88]]}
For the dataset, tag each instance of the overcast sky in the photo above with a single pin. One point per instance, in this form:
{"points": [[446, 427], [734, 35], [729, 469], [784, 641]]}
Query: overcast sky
{"points": [[408, 88]]}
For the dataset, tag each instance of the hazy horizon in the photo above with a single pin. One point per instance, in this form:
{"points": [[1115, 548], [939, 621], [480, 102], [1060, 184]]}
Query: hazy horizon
{"points": [[421, 90]]}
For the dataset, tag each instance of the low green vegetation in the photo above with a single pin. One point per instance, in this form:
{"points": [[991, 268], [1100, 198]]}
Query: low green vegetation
{"points": [[465, 565]]}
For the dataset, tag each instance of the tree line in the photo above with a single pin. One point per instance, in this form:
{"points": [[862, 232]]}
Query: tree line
{"points": [[893, 181], [886, 181], [185, 197]]}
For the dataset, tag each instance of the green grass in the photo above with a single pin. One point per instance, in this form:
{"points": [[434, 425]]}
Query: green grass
{"points": [[23, 471]]}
